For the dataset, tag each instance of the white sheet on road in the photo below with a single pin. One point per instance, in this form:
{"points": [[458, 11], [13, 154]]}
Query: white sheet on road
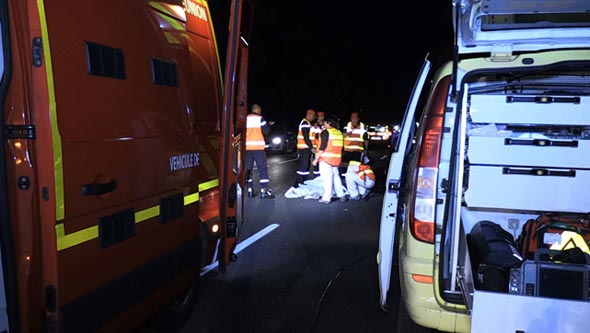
{"points": [[310, 189]]}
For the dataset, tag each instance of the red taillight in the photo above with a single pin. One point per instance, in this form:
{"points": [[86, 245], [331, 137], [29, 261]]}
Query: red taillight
{"points": [[422, 217]]}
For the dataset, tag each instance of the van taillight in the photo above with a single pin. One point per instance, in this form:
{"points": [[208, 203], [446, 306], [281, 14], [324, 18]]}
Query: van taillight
{"points": [[422, 220]]}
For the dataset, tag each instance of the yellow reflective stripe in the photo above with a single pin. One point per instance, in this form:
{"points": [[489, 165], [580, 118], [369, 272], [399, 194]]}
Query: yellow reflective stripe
{"points": [[208, 185], [56, 138], [191, 198], [65, 241], [206, 5], [147, 214]]}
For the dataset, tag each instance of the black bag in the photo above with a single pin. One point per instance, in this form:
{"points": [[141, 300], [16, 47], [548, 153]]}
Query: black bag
{"points": [[493, 253]]}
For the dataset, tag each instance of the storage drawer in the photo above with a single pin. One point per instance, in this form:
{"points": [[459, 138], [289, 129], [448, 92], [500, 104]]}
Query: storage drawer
{"points": [[561, 190], [529, 152], [505, 109]]}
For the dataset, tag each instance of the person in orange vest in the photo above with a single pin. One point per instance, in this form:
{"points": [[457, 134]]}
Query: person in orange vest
{"points": [[329, 157], [256, 129], [317, 128], [355, 140], [305, 147], [360, 179]]}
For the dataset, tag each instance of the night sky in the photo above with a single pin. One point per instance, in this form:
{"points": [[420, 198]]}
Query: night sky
{"points": [[341, 56]]}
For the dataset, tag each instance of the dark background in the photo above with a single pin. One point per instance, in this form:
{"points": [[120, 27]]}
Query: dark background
{"points": [[338, 56]]}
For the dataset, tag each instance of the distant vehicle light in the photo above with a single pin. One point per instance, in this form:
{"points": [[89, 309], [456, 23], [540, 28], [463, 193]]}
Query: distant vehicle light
{"points": [[277, 140]]}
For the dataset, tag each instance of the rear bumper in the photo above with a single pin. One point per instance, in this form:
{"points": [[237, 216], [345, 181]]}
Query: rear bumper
{"points": [[421, 302]]}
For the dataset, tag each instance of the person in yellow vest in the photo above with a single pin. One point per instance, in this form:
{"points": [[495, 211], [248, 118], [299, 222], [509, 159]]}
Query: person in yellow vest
{"points": [[256, 129], [305, 147], [355, 140], [329, 157], [360, 179], [317, 128]]}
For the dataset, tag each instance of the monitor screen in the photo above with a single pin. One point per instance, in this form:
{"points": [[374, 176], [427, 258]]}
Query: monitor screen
{"points": [[561, 283]]}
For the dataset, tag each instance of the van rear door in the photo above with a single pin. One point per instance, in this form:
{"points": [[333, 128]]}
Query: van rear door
{"points": [[501, 27], [390, 219]]}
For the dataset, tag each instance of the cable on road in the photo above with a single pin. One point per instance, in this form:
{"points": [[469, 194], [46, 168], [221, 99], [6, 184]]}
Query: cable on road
{"points": [[317, 310]]}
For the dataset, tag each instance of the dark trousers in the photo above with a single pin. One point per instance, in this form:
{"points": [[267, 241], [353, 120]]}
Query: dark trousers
{"points": [[258, 156], [303, 166]]}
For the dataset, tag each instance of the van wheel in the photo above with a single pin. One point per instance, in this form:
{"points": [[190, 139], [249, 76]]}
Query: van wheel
{"points": [[177, 312]]}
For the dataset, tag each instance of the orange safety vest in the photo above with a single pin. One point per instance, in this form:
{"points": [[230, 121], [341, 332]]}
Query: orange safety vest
{"points": [[333, 152], [317, 130], [300, 139], [365, 171], [355, 140], [254, 136]]}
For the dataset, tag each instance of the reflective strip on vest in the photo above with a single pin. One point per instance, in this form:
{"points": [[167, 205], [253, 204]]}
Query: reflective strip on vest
{"points": [[254, 136], [354, 141], [365, 171], [300, 139], [316, 130]]}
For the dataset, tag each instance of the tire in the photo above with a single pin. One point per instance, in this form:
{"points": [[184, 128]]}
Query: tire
{"points": [[178, 312]]}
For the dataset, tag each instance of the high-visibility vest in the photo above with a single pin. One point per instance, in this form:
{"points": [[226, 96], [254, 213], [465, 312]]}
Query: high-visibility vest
{"points": [[355, 140], [365, 171], [254, 136], [300, 139], [333, 152], [317, 130]]}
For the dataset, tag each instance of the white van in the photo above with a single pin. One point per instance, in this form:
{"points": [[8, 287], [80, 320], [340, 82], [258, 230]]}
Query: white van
{"points": [[500, 133]]}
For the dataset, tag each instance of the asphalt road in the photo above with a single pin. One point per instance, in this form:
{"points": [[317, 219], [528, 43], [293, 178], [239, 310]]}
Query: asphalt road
{"points": [[311, 269]]}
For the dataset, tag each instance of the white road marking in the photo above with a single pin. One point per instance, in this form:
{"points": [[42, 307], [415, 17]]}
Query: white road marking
{"points": [[288, 161], [242, 245]]}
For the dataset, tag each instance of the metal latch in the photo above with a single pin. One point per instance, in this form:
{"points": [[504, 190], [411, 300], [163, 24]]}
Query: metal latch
{"points": [[501, 53], [20, 131], [393, 186]]}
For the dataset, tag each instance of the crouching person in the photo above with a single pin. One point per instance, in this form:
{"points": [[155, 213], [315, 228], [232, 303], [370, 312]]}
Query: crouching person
{"points": [[360, 179]]}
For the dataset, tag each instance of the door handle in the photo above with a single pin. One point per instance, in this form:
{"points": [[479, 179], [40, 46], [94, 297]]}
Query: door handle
{"points": [[98, 189]]}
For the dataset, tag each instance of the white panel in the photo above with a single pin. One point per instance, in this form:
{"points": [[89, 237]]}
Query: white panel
{"points": [[493, 151], [497, 312], [490, 188], [495, 109]]}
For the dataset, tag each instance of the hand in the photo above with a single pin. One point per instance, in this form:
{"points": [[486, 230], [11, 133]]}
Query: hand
{"points": [[313, 150], [272, 122], [315, 162]]}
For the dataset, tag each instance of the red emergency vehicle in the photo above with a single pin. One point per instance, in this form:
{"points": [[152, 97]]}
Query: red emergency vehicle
{"points": [[121, 163]]}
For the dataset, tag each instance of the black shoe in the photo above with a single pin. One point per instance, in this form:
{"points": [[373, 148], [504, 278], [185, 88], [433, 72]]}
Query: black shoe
{"points": [[266, 195]]}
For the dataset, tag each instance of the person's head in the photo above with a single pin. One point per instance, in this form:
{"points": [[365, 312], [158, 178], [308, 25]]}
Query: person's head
{"points": [[256, 109], [355, 118], [310, 114], [321, 117], [331, 121]]}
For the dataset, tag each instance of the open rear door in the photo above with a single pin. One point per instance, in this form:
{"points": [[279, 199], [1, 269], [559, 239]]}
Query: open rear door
{"points": [[233, 129], [389, 212]]}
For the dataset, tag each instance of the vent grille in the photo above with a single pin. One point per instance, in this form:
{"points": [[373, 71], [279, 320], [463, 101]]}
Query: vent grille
{"points": [[116, 228], [105, 61], [171, 208], [164, 73]]}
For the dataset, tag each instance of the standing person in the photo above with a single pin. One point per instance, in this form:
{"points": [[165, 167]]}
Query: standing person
{"points": [[304, 147], [256, 129], [329, 157], [355, 141], [360, 179], [317, 128]]}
